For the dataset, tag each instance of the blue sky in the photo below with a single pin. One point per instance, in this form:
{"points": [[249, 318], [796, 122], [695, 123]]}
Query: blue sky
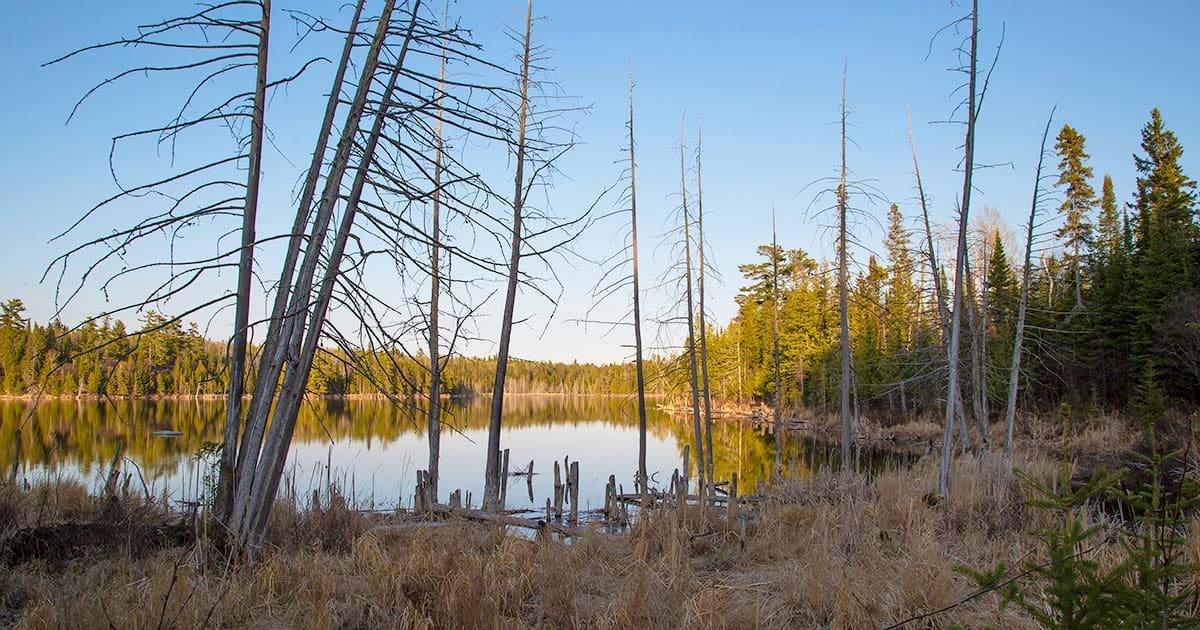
{"points": [[763, 80]]}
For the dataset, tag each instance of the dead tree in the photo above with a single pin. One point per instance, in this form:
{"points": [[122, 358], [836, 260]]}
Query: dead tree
{"points": [[263, 454], [693, 370], [434, 426], [643, 477], [534, 155], [227, 42], [843, 290], [706, 461], [1010, 410], [241, 322], [935, 271], [491, 494], [777, 411], [964, 216]]}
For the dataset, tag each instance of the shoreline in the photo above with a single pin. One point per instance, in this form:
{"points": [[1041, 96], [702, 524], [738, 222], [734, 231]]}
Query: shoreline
{"points": [[220, 397]]}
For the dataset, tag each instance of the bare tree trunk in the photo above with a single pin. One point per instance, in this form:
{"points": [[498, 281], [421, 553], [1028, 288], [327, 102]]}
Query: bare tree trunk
{"points": [[691, 321], [977, 374], [778, 410], [1010, 411], [283, 423], [491, 491], [956, 308], [435, 290], [241, 317], [843, 295], [708, 445], [643, 476], [281, 323], [939, 294], [984, 401], [260, 480]]}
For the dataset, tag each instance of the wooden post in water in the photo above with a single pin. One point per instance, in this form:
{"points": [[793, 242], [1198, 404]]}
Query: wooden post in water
{"points": [[503, 478], [559, 493], [573, 482], [549, 508], [16, 466], [456, 499], [733, 498], [687, 468]]}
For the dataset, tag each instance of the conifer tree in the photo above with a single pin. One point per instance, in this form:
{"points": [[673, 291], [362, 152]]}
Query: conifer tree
{"points": [[1166, 233], [1079, 199]]}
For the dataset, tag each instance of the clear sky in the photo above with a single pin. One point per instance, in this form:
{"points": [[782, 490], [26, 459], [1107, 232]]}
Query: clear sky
{"points": [[763, 79]]}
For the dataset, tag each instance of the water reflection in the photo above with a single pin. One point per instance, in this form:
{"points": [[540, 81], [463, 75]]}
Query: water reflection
{"points": [[373, 448]]}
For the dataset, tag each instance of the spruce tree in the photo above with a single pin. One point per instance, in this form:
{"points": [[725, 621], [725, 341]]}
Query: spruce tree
{"points": [[1079, 199], [1165, 234]]}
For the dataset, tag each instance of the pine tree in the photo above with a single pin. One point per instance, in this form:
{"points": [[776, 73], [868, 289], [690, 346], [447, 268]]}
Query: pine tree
{"points": [[1001, 289], [1165, 245], [1079, 199]]}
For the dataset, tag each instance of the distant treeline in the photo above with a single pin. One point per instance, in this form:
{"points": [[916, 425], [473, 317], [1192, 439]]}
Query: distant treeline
{"points": [[162, 357]]}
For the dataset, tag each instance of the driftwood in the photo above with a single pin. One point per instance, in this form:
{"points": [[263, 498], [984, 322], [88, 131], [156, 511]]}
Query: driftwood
{"points": [[498, 518]]}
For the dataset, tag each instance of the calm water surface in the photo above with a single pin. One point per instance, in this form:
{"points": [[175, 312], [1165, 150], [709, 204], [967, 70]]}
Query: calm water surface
{"points": [[374, 448]]}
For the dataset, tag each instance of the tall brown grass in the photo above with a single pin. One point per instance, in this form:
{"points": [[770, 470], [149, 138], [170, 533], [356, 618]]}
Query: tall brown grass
{"points": [[830, 551]]}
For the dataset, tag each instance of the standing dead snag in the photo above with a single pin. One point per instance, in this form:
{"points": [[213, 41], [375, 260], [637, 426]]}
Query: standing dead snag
{"points": [[491, 494], [935, 275], [435, 288], [1010, 411], [707, 460], [843, 295], [258, 482], [241, 320], [693, 374], [957, 299], [777, 411], [643, 478]]}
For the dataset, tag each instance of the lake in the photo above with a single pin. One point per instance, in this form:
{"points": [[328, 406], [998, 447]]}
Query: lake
{"points": [[373, 448]]}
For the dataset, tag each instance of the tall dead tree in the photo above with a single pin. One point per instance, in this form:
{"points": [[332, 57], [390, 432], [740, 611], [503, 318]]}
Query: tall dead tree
{"points": [[434, 425], [843, 290], [935, 271], [241, 320], [492, 472], [693, 369], [777, 409], [708, 444], [259, 477], [218, 41], [643, 477], [1010, 410], [964, 216], [234, 454]]}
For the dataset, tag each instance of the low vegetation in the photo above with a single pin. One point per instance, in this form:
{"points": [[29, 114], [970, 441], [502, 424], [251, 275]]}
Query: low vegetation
{"points": [[827, 551]]}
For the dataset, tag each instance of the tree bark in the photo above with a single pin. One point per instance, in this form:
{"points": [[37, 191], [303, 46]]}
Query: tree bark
{"points": [[491, 491]]}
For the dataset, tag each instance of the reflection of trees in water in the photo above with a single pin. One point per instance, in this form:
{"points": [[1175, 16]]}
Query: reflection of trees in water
{"points": [[87, 433]]}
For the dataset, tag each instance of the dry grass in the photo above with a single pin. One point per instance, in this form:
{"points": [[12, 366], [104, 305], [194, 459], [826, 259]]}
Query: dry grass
{"points": [[828, 552]]}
